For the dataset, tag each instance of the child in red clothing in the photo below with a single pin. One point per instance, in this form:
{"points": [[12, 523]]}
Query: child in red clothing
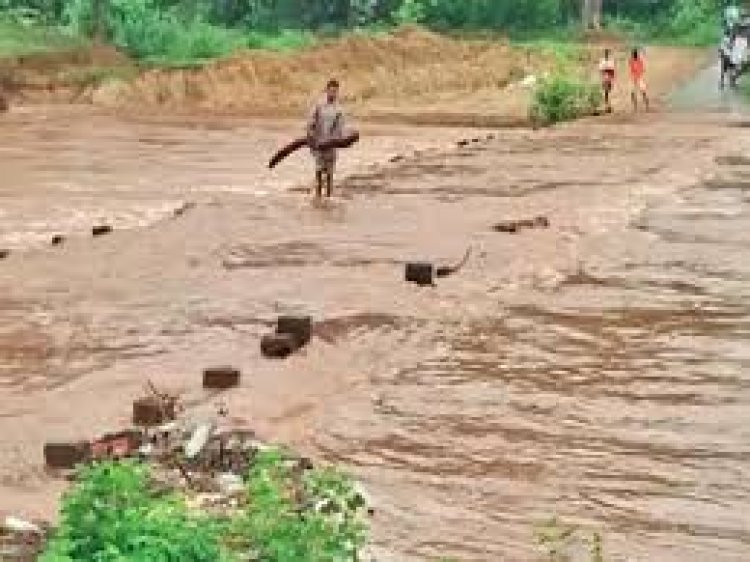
{"points": [[638, 84]]}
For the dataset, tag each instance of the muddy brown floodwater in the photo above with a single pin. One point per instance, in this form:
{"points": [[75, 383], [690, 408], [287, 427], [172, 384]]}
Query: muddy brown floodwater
{"points": [[597, 369]]}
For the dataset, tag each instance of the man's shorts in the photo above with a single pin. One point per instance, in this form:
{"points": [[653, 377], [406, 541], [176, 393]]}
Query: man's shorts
{"points": [[325, 160]]}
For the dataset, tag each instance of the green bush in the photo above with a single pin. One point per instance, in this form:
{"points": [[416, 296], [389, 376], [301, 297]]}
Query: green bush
{"points": [[112, 515], [275, 529], [148, 32], [562, 98]]}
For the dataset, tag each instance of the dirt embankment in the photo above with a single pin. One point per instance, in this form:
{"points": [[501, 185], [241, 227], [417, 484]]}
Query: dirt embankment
{"points": [[62, 76], [410, 76]]}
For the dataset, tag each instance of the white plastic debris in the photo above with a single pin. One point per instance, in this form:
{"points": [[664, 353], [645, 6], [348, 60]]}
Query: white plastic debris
{"points": [[17, 525]]}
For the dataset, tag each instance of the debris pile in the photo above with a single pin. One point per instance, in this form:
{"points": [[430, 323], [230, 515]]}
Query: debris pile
{"points": [[205, 459], [21, 540]]}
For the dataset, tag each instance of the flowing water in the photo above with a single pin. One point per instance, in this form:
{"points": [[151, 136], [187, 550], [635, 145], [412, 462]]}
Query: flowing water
{"points": [[596, 370]]}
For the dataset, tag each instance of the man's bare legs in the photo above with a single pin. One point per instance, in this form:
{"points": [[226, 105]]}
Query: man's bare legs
{"points": [[323, 183], [329, 182], [319, 183], [634, 98]]}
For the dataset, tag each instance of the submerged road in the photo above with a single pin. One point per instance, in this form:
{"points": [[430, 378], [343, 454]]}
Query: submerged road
{"points": [[596, 369]]}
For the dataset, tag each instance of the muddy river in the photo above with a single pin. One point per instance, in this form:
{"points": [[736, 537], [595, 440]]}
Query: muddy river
{"points": [[597, 370]]}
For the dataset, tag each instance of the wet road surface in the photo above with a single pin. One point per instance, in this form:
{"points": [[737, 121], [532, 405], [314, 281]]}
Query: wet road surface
{"points": [[597, 369]]}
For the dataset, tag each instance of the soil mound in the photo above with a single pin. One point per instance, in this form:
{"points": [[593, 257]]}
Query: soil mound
{"points": [[407, 65]]}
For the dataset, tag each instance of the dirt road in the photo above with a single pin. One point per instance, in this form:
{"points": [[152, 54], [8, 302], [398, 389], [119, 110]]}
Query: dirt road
{"points": [[596, 369]]}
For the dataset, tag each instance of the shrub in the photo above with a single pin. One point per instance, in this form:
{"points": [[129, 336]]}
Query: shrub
{"points": [[146, 31], [562, 98], [327, 528], [112, 515]]}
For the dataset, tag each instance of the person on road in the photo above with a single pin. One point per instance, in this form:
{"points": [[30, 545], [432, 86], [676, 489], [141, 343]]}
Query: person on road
{"points": [[637, 81], [738, 58], [607, 71], [725, 56], [326, 123]]}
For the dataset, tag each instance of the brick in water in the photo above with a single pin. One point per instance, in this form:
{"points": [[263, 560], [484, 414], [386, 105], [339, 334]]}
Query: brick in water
{"points": [[278, 346], [151, 411], [300, 327], [421, 273], [101, 230], [221, 378], [66, 454]]}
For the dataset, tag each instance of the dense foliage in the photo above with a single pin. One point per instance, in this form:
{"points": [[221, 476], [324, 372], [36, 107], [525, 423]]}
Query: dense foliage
{"points": [[321, 14], [113, 514], [189, 30]]}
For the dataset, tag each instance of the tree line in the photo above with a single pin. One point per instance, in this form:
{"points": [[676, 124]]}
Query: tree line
{"points": [[442, 14]]}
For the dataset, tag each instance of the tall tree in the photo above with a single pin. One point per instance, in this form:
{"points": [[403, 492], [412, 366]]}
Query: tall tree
{"points": [[591, 14]]}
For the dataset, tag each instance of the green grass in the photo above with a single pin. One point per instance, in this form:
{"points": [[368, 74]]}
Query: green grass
{"points": [[18, 40], [702, 33], [284, 40], [563, 52]]}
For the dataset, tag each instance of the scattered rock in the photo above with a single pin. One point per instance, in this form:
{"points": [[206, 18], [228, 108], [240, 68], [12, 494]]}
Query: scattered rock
{"points": [[300, 327], [396, 158], [66, 455], [4, 253], [4, 106], [182, 209], [463, 142], [513, 226], [278, 346], [151, 410], [421, 273], [221, 378], [58, 239], [101, 230]]}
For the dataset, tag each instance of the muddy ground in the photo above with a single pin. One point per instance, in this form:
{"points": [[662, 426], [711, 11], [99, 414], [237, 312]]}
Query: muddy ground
{"points": [[595, 369]]}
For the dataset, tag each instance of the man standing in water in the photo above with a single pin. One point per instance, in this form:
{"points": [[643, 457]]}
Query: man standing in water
{"points": [[637, 82], [607, 70], [326, 123]]}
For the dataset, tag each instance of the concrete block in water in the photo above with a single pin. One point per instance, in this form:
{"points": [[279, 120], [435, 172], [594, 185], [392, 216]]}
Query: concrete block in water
{"points": [[421, 273], [64, 454], [150, 411], [278, 346], [101, 230], [221, 377], [300, 327]]}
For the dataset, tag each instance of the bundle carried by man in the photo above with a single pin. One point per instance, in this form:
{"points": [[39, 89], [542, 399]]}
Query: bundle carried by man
{"points": [[344, 141]]}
